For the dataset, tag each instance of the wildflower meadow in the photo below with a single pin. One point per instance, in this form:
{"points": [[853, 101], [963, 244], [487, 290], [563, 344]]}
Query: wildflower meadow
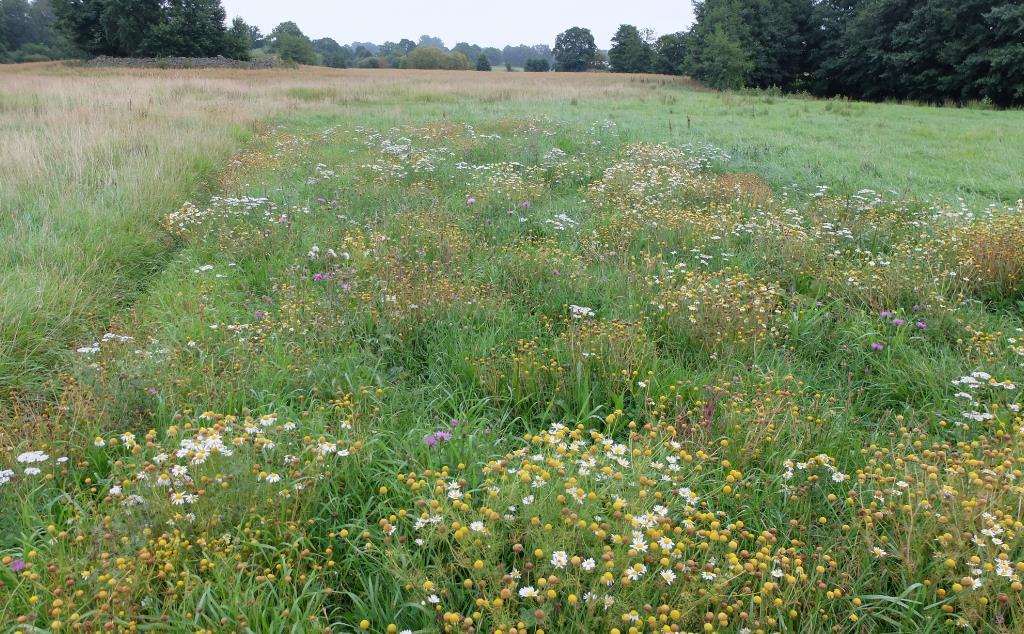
{"points": [[449, 358]]}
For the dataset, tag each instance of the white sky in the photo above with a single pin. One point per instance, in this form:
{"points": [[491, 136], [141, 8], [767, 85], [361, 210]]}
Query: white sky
{"points": [[483, 22]]}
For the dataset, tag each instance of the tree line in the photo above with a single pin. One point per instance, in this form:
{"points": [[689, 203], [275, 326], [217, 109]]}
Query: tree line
{"points": [[932, 51]]}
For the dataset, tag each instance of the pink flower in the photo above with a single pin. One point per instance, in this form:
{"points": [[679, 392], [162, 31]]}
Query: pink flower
{"points": [[877, 347]]}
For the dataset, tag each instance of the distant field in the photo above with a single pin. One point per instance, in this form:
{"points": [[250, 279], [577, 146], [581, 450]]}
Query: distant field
{"points": [[419, 350]]}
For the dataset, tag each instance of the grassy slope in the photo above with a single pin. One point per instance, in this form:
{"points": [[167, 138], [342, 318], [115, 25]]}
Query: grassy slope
{"points": [[816, 387]]}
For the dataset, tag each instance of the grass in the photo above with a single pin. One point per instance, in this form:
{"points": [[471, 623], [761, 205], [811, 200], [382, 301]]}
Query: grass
{"points": [[341, 350]]}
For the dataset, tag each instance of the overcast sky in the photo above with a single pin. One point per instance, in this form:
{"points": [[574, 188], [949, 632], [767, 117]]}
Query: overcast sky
{"points": [[483, 22]]}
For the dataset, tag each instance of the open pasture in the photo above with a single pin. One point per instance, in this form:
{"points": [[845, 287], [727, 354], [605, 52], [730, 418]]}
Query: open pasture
{"points": [[392, 350]]}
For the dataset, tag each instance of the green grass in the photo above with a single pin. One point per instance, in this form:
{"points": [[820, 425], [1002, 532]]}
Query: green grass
{"points": [[650, 349]]}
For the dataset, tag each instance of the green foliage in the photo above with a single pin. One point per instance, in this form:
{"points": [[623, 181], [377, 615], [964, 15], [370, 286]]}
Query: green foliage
{"points": [[629, 52], [28, 32], [482, 63], [670, 54], [292, 45], [723, 62], [238, 40], [933, 50], [575, 50], [157, 28], [433, 58], [189, 28], [295, 49], [333, 54], [537, 65]]}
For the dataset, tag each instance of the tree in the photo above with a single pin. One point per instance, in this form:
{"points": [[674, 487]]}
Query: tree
{"points": [[629, 52], [537, 65], [995, 67], [188, 28], [471, 51], [670, 54], [494, 56], [237, 40], [129, 25], [291, 44], [482, 63], [724, 63], [431, 58], [575, 49], [333, 54], [145, 27], [435, 42]]}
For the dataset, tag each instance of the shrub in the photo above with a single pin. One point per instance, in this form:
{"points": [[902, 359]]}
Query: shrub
{"points": [[537, 65], [482, 63], [430, 58]]}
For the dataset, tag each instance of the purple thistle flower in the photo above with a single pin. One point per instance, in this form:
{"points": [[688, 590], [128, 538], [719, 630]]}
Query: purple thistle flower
{"points": [[877, 347], [524, 204], [885, 314], [898, 322], [18, 565], [429, 440], [921, 325], [471, 201]]}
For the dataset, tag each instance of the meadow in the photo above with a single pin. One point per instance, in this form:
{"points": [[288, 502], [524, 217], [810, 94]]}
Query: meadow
{"points": [[387, 351]]}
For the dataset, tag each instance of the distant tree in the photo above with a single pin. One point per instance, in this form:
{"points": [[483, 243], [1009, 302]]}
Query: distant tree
{"points": [[482, 63], [494, 56], [471, 51], [575, 49], [238, 40], [361, 52], [292, 45], [333, 54], [406, 45], [429, 57], [629, 52], [28, 32], [370, 48], [537, 65], [372, 62], [256, 38], [670, 54], [435, 42], [508, 66]]}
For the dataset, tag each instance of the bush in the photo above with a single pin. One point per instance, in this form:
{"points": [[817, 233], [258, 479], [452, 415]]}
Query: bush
{"points": [[537, 65], [430, 58], [482, 63]]}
